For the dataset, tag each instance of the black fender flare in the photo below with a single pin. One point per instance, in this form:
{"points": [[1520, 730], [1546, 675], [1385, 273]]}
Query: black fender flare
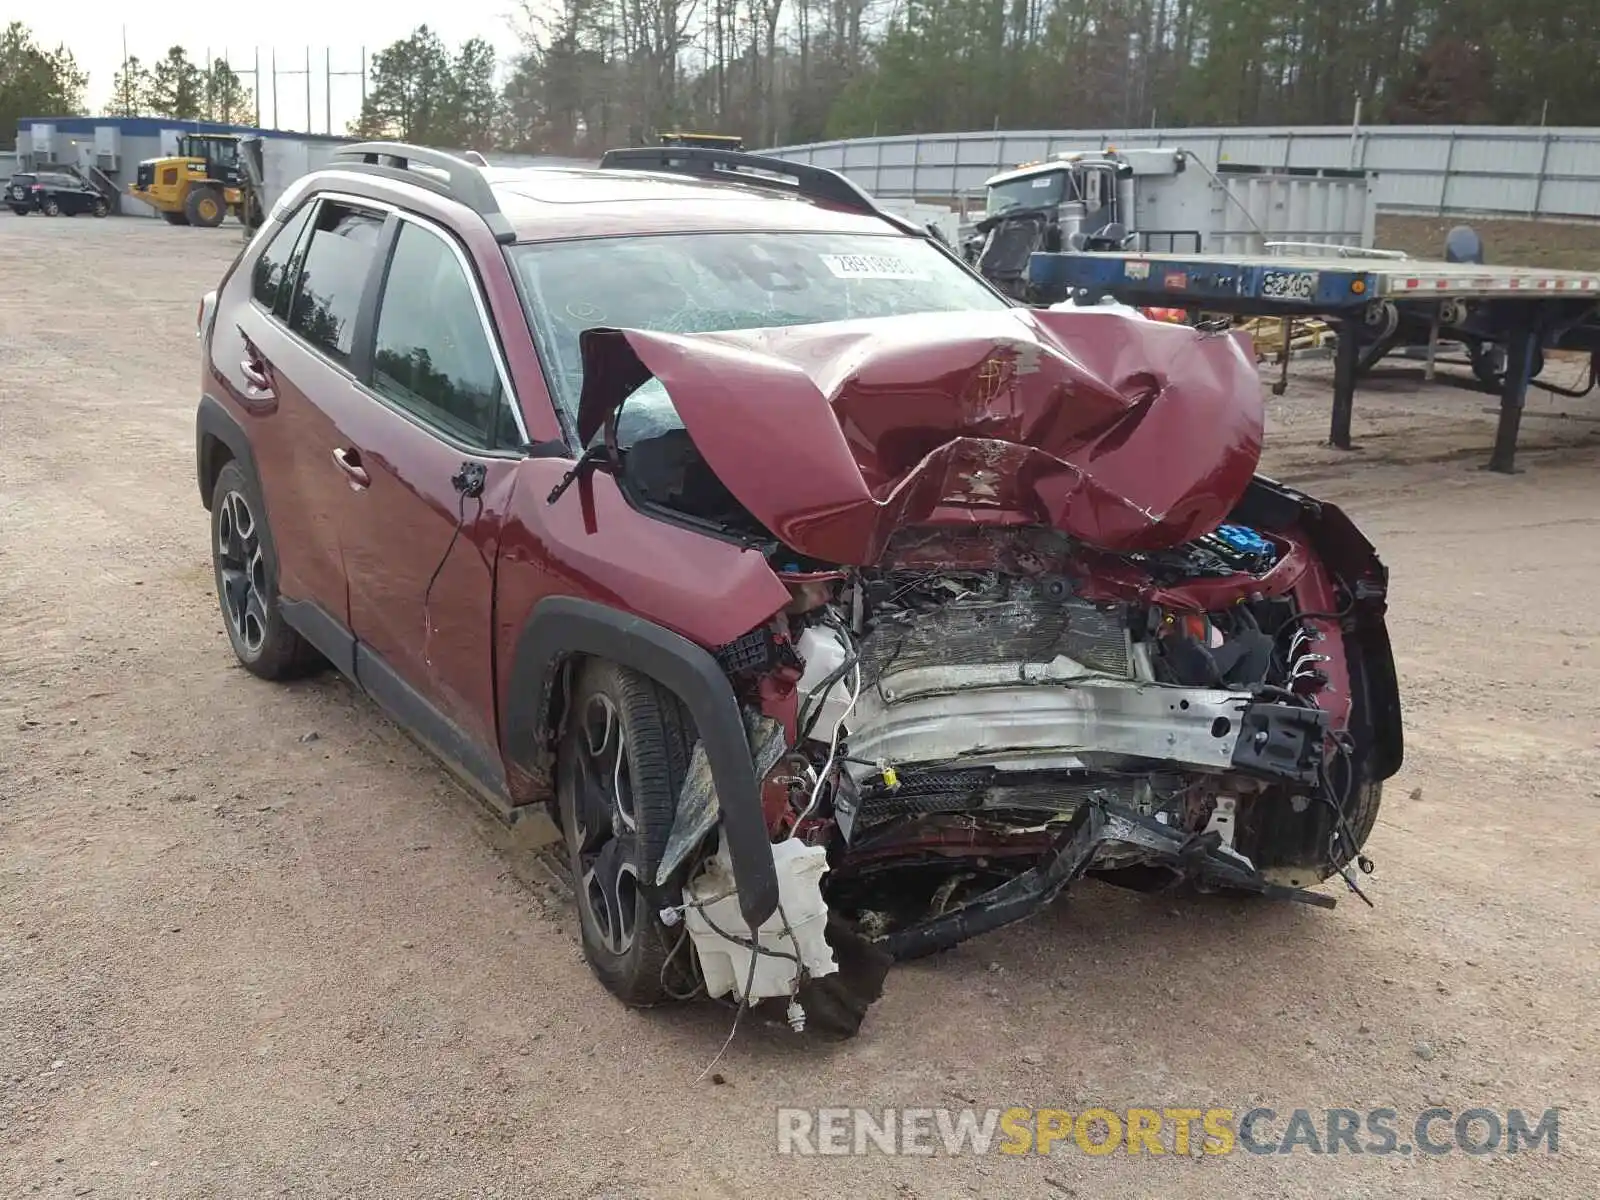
{"points": [[215, 428], [562, 626]]}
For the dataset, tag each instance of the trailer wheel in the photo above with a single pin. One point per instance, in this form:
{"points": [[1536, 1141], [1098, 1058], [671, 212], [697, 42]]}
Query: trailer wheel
{"points": [[1489, 364]]}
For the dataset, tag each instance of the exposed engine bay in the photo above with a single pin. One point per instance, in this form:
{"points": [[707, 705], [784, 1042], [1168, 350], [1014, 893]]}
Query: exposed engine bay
{"points": [[958, 729], [1157, 678]]}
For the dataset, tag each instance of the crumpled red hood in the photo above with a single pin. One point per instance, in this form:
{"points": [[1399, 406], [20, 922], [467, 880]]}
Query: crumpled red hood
{"points": [[1124, 433]]}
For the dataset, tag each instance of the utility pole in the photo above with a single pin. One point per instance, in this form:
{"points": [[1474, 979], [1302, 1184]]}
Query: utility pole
{"points": [[306, 71], [255, 86], [132, 102], [274, 87], [332, 75]]}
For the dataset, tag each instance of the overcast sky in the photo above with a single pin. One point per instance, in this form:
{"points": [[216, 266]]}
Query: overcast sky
{"points": [[93, 33]]}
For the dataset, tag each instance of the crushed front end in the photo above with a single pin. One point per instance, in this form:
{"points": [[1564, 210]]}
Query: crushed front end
{"points": [[1043, 647]]}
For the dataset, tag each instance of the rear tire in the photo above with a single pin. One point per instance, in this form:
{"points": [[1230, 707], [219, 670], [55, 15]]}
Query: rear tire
{"points": [[101, 208], [52, 208], [204, 207], [19, 210], [619, 767], [247, 590]]}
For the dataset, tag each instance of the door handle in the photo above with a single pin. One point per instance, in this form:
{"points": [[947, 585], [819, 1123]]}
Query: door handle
{"points": [[349, 462], [255, 375]]}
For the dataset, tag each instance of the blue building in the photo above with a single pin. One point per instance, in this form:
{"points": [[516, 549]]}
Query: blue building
{"points": [[108, 150]]}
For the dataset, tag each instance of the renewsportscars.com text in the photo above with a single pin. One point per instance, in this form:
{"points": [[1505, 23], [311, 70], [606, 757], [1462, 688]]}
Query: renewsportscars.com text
{"points": [[1179, 1131]]}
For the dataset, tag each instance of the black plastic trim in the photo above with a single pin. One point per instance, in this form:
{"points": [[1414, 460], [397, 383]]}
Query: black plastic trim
{"points": [[328, 634], [1197, 857], [562, 626], [736, 166], [1268, 504], [422, 720], [215, 426], [366, 327]]}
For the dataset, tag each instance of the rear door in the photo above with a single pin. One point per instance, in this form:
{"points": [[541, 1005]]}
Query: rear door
{"points": [[57, 188], [438, 441], [292, 357]]}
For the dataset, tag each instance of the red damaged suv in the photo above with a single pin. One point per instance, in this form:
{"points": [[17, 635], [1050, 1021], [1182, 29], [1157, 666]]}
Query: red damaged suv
{"points": [[838, 608]]}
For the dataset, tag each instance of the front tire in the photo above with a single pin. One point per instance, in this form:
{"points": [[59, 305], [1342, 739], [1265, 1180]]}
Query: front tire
{"points": [[101, 208], [204, 207], [619, 767], [262, 640], [174, 218]]}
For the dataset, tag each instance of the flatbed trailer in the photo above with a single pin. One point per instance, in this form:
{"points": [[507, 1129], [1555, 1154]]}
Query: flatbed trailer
{"points": [[1375, 304]]}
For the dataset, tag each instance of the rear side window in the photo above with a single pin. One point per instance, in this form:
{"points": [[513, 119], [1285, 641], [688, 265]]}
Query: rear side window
{"points": [[272, 268], [328, 293], [432, 356]]}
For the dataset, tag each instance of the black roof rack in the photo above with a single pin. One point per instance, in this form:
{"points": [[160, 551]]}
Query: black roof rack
{"points": [[736, 166], [463, 181]]}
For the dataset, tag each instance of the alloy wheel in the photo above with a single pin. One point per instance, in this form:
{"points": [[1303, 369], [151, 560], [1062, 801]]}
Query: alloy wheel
{"points": [[242, 572], [606, 830]]}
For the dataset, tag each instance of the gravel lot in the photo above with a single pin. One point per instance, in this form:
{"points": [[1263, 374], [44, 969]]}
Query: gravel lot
{"points": [[253, 942]]}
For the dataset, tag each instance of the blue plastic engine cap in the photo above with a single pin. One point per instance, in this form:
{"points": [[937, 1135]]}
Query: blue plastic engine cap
{"points": [[1244, 539]]}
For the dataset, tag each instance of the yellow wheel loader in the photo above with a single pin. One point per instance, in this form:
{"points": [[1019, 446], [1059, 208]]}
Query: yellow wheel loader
{"points": [[200, 185]]}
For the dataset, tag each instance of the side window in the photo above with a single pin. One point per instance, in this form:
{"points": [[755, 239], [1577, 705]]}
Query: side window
{"points": [[432, 356], [332, 277], [272, 268]]}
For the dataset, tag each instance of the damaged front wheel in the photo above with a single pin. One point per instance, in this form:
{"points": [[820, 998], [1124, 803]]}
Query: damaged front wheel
{"points": [[621, 761]]}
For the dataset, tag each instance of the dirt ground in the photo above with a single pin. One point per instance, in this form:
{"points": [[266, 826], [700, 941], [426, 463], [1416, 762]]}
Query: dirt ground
{"points": [[254, 943], [1568, 245]]}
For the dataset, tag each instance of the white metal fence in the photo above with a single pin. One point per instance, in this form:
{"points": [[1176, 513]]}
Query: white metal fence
{"points": [[1447, 170]]}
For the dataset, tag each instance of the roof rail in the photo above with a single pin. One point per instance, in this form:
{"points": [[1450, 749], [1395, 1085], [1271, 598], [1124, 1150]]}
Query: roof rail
{"points": [[463, 181], [736, 166]]}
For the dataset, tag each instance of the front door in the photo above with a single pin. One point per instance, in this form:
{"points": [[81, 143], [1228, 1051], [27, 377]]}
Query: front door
{"points": [[437, 444], [1099, 198]]}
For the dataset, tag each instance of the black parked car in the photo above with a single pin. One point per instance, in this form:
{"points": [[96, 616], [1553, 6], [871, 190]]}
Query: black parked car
{"points": [[53, 193]]}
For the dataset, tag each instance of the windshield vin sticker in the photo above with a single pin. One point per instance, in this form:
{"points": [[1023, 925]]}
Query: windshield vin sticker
{"points": [[870, 266]]}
